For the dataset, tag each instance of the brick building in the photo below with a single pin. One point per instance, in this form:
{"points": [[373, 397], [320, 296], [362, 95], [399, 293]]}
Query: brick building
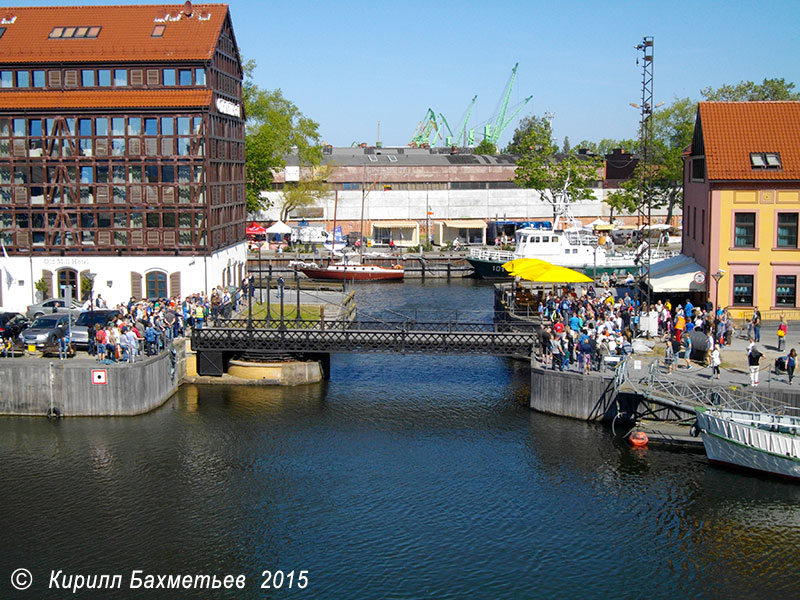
{"points": [[121, 150]]}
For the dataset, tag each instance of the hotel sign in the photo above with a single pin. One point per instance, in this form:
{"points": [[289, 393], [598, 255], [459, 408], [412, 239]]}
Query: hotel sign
{"points": [[226, 107]]}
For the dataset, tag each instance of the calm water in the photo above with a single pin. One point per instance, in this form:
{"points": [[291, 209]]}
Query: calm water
{"points": [[402, 477]]}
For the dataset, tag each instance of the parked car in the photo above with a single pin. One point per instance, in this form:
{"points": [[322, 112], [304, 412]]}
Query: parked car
{"points": [[88, 319], [46, 307], [43, 331], [12, 324]]}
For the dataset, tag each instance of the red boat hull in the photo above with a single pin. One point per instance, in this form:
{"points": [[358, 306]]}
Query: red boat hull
{"points": [[353, 273]]}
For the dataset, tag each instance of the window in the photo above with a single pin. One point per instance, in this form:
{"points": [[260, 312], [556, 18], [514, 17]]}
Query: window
{"points": [[87, 78], [2, 31], [57, 31], [156, 285], [158, 31], [787, 230], [765, 160], [6, 79], [786, 290], [93, 32], [743, 290], [23, 79], [104, 77], [134, 126], [151, 126], [120, 77], [745, 230], [200, 76], [169, 77], [74, 32], [68, 278], [698, 169], [184, 77], [38, 79]]}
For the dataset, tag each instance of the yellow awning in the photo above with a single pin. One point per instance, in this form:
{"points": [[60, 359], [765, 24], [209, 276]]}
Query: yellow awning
{"points": [[466, 224], [394, 224]]}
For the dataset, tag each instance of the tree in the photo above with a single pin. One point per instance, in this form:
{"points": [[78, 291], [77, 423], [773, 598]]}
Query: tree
{"points": [[307, 191], [485, 147], [565, 146], [747, 91], [558, 179], [274, 128], [660, 180]]}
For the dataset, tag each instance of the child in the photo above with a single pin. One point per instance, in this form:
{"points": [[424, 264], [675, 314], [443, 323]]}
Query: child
{"points": [[669, 355], [716, 361]]}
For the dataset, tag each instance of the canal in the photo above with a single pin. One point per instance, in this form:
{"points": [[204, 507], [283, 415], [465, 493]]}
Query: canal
{"points": [[401, 477]]}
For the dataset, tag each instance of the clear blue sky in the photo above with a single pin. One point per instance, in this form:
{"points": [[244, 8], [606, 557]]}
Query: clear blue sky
{"points": [[349, 64]]}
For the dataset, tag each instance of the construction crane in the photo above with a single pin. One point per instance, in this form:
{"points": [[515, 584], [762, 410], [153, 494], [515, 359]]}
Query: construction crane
{"points": [[427, 131], [451, 139], [491, 132]]}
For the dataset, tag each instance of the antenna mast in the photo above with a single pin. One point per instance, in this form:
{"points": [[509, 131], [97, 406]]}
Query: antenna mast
{"points": [[646, 135]]}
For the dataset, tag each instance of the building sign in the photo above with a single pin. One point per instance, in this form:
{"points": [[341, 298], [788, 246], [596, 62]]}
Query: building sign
{"points": [[99, 377], [66, 262], [292, 173], [226, 107]]}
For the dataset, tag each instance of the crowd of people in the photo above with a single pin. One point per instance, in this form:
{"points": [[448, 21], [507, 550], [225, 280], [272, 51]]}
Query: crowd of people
{"points": [[588, 329]]}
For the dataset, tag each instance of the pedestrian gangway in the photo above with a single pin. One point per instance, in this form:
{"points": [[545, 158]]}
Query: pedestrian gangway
{"points": [[684, 396], [215, 345]]}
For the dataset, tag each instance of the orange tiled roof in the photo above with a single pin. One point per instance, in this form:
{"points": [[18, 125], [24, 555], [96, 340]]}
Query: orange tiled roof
{"points": [[732, 130], [125, 33], [103, 99]]}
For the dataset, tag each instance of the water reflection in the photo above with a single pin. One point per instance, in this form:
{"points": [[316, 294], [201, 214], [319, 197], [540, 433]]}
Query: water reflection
{"points": [[400, 477]]}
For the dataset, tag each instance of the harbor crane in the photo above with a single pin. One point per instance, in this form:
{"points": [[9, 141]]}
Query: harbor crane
{"points": [[427, 131], [451, 139], [491, 132]]}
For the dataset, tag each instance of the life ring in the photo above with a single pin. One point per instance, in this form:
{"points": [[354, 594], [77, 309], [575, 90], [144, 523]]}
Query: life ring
{"points": [[397, 267], [53, 413], [638, 439]]}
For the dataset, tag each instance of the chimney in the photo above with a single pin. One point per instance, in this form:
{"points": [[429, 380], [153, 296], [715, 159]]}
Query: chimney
{"points": [[187, 8]]}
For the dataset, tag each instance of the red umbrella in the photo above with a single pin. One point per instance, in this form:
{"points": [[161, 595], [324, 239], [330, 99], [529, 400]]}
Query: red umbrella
{"points": [[255, 229]]}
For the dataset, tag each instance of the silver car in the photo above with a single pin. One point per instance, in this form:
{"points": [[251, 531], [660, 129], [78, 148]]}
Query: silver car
{"points": [[44, 330], [86, 321], [46, 307]]}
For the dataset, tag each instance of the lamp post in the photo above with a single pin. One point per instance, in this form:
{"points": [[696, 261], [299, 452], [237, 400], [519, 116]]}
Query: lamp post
{"points": [[89, 330], [717, 276]]}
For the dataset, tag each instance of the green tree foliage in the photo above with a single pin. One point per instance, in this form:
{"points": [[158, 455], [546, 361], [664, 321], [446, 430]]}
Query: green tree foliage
{"points": [[485, 147], [306, 192], [747, 91], [274, 128], [559, 179]]}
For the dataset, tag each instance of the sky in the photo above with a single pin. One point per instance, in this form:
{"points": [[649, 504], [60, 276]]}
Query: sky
{"points": [[352, 64]]}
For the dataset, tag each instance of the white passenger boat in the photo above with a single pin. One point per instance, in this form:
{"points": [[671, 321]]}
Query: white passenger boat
{"points": [[760, 441]]}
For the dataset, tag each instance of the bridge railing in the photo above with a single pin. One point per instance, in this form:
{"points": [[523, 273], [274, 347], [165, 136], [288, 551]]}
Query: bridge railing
{"points": [[372, 325]]}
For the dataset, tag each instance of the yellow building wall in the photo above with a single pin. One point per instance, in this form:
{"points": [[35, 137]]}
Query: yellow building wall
{"points": [[765, 261]]}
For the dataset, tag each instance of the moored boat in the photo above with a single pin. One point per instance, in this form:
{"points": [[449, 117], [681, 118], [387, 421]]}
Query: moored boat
{"points": [[351, 272], [759, 441]]}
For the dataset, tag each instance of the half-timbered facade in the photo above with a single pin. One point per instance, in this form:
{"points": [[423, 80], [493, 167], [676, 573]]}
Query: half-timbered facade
{"points": [[121, 150]]}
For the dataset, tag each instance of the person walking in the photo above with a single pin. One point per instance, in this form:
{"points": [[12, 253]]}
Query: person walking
{"points": [[669, 355], [791, 363], [753, 356], [783, 329], [687, 351]]}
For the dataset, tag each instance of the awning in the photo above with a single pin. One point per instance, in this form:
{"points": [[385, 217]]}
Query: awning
{"points": [[466, 224], [394, 224], [677, 274]]}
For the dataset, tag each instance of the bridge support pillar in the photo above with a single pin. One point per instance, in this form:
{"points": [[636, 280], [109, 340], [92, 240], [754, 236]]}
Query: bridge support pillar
{"points": [[210, 363], [324, 359]]}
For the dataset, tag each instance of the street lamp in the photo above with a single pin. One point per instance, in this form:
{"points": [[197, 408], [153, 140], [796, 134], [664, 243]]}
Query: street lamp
{"points": [[89, 330], [717, 276]]}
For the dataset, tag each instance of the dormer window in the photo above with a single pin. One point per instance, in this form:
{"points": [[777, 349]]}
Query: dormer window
{"points": [[765, 160]]}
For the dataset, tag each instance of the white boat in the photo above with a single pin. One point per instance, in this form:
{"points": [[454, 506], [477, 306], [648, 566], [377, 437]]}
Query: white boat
{"points": [[575, 247], [760, 441]]}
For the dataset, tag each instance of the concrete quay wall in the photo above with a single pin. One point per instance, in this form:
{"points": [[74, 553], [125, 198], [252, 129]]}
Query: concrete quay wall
{"points": [[34, 386]]}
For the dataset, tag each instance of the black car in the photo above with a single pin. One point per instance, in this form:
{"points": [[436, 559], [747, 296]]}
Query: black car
{"points": [[86, 322], [12, 324]]}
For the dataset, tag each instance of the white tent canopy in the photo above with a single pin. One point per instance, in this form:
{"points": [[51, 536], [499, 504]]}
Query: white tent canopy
{"points": [[279, 227]]}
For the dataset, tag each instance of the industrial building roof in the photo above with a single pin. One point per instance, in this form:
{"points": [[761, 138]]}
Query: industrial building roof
{"points": [[749, 140], [80, 34], [405, 157]]}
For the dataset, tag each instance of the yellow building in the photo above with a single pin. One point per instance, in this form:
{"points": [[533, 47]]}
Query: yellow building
{"points": [[742, 202]]}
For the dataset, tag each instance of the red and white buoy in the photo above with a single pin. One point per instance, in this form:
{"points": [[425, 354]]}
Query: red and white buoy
{"points": [[638, 439]]}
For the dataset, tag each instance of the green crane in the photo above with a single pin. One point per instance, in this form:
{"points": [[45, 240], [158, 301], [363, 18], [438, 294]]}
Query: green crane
{"points": [[457, 138], [427, 131], [493, 132]]}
